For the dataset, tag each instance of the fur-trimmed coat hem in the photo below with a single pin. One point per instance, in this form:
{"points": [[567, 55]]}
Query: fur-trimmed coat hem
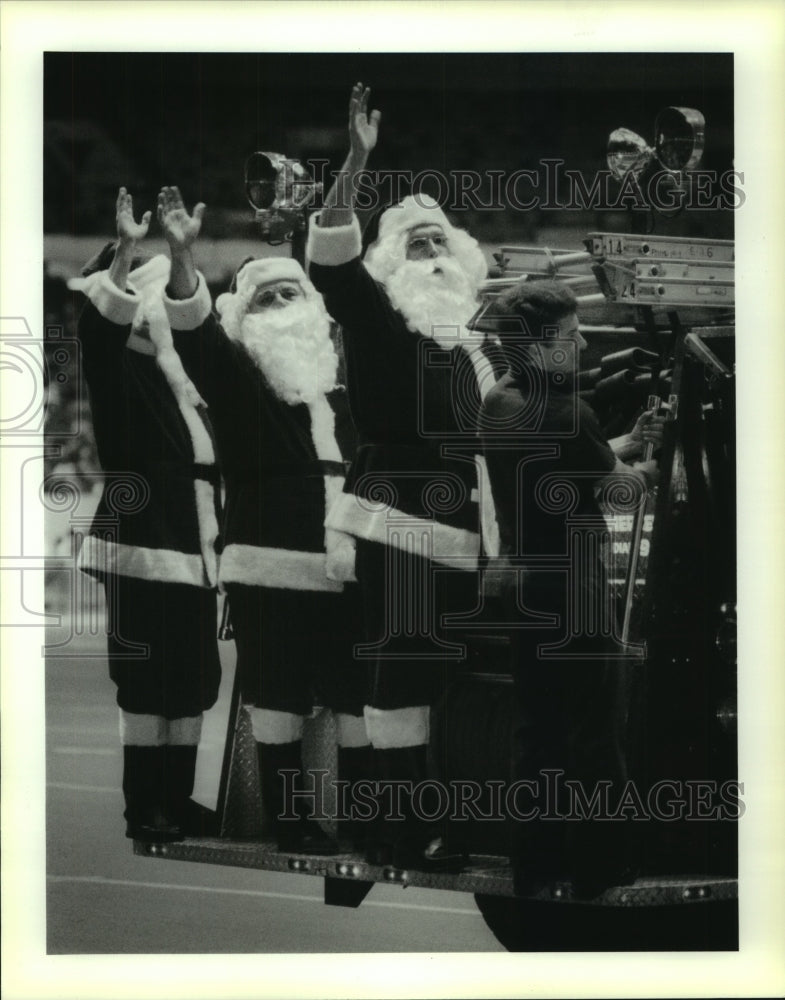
{"points": [[280, 569], [419, 536]]}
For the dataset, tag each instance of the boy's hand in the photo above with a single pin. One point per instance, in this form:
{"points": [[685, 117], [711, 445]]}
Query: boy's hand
{"points": [[648, 429]]}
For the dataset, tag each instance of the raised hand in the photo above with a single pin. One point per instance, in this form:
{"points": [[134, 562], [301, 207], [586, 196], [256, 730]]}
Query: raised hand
{"points": [[363, 133], [179, 228], [128, 230], [363, 130]]}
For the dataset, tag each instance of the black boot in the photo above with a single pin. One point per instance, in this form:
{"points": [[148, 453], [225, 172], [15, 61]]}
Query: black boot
{"points": [[180, 768], [409, 841], [143, 787], [354, 766], [300, 833]]}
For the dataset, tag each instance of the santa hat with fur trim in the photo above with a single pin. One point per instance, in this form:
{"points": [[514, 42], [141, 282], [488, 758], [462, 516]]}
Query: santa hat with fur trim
{"points": [[252, 274], [415, 210], [385, 238], [255, 272]]}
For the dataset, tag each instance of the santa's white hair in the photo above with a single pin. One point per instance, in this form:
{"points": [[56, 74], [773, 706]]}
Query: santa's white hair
{"points": [[386, 255]]}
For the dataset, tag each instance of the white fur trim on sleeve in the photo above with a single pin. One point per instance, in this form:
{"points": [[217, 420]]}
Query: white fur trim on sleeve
{"points": [[188, 314], [113, 304], [333, 245]]}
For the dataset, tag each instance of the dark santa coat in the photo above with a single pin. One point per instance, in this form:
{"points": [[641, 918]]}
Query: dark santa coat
{"points": [[273, 532], [415, 407], [152, 541], [296, 618], [157, 517]]}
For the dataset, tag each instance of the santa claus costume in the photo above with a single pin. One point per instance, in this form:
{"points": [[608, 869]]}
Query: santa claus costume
{"points": [[415, 377], [152, 541], [284, 436]]}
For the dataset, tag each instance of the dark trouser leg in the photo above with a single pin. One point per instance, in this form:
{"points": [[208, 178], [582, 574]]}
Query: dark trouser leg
{"points": [[567, 748], [340, 682], [179, 674], [280, 768], [404, 599], [170, 686], [272, 664]]}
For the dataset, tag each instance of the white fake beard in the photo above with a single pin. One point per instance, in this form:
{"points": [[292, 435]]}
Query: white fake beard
{"points": [[293, 350], [436, 300]]}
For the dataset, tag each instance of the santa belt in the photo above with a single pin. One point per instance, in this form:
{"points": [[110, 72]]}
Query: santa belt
{"points": [[394, 447], [199, 470], [315, 468], [208, 472]]}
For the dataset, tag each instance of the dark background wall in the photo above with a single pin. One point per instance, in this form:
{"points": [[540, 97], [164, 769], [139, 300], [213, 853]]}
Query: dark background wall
{"points": [[150, 119]]}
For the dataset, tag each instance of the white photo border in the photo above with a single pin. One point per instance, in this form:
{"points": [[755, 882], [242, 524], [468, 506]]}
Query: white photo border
{"points": [[754, 32]]}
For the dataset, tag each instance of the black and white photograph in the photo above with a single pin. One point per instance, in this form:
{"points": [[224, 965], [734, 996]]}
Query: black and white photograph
{"points": [[391, 535]]}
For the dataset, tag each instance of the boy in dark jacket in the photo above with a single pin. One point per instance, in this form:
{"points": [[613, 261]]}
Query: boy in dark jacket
{"points": [[547, 459]]}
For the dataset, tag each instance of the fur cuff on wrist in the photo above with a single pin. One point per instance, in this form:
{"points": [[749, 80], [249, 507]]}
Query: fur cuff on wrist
{"points": [[188, 314], [334, 244], [113, 304]]}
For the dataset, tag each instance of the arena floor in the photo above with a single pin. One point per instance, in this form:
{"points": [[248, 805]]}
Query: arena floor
{"points": [[102, 899]]}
